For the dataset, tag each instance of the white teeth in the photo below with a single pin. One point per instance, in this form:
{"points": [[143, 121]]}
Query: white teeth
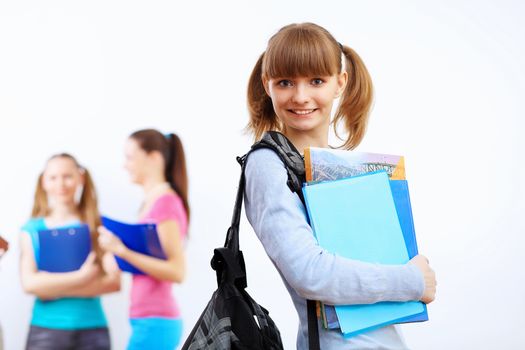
{"points": [[302, 111]]}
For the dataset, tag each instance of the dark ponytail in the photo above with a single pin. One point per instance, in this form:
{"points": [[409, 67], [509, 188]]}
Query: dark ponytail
{"points": [[175, 170], [172, 151]]}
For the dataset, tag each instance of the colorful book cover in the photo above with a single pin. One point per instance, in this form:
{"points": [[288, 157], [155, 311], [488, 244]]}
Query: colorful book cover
{"points": [[63, 249], [142, 238], [324, 164], [365, 204]]}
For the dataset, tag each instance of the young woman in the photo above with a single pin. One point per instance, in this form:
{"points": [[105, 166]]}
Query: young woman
{"points": [[67, 312], [156, 163], [291, 90]]}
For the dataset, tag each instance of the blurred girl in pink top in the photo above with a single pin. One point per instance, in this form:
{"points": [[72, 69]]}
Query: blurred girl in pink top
{"points": [[156, 163]]}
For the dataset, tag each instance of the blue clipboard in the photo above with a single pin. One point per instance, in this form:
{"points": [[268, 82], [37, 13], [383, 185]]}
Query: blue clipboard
{"points": [[142, 238], [63, 249]]}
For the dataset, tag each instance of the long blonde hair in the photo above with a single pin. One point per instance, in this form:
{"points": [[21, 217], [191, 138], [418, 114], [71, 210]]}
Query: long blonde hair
{"points": [[307, 49], [87, 205]]}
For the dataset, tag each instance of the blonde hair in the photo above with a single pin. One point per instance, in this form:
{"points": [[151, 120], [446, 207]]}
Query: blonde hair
{"points": [[307, 49], [87, 206]]}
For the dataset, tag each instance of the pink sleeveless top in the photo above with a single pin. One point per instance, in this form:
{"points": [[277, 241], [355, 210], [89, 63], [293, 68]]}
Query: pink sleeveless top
{"points": [[149, 296]]}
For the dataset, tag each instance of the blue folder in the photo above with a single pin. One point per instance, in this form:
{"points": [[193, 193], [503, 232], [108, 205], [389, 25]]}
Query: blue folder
{"points": [[63, 249], [142, 238], [357, 218], [401, 197]]}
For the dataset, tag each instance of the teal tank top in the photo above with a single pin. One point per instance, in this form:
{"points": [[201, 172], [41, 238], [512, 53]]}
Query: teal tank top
{"points": [[66, 313]]}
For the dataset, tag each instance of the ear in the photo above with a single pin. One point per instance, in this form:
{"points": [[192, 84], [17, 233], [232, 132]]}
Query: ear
{"points": [[342, 80], [156, 157]]}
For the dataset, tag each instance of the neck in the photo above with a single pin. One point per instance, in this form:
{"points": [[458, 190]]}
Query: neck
{"points": [[313, 138], [63, 212], [151, 183], [154, 187]]}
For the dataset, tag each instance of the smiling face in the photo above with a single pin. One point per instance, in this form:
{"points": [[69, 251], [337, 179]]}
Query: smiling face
{"points": [[301, 72], [305, 103], [61, 179]]}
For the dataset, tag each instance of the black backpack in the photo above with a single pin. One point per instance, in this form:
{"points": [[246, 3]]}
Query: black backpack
{"points": [[232, 319]]}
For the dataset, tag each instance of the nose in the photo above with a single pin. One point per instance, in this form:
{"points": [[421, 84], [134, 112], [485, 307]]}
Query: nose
{"points": [[61, 182], [300, 94]]}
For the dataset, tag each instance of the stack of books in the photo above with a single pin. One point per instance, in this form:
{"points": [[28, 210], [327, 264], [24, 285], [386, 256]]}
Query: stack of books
{"points": [[359, 208]]}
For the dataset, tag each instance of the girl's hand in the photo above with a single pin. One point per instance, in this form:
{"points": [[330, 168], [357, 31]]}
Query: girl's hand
{"points": [[89, 269], [109, 242], [429, 277]]}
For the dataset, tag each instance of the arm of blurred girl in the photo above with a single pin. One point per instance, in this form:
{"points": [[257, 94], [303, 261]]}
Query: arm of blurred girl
{"points": [[107, 281], [172, 269], [47, 285]]}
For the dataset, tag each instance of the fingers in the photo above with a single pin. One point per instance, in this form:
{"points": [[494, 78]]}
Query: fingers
{"points": [[90, 258], [104, 237], [103, 231], [429, 277]]}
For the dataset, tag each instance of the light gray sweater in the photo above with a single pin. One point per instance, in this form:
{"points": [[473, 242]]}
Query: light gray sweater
{"points": [[279, 219]]}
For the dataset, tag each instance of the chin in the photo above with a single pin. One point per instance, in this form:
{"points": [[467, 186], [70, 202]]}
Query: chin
{"points": [[64, 200], [305, 126], [135, 180]]}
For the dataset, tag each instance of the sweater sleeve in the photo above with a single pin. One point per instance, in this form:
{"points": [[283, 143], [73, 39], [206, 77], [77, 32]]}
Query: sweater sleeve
{"points": [[279, 220]]}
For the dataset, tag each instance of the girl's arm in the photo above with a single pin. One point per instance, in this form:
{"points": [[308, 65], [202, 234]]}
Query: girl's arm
{"points": [[108, 281], [172, 269], [279, 219], [47, 285]]}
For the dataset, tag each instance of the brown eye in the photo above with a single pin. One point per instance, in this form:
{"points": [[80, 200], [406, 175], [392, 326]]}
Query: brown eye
{"points": [[317, 81], [285, 83]]}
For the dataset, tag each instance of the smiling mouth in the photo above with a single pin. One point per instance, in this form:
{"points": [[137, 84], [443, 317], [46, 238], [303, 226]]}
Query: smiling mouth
{"points": [[302, 111]]}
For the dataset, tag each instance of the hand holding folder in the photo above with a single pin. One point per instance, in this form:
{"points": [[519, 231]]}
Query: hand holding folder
{"points": [[142, 238]]}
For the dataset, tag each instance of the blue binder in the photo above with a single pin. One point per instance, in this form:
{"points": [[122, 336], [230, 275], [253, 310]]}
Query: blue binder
{"points": [[401, 197], [63, 249], [142, 238], [357, 218]]}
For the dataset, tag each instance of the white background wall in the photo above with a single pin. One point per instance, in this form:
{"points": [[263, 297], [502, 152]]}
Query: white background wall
{"points": [[449, 78]]}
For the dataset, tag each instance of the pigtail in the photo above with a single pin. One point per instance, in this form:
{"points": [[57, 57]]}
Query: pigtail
{"points": [[175, 171], [260, 107], [40, 203], [356, 101]]}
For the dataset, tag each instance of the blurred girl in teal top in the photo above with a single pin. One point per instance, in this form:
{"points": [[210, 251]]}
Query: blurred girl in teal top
{"points": [[67, 313]]}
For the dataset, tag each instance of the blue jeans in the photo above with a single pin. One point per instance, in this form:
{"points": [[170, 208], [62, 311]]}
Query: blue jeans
{"points": [[157, 333]]}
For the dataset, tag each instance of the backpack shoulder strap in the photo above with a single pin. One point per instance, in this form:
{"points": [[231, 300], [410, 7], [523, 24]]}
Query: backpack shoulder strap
{"points": [[289, 155], [294, 164]]}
